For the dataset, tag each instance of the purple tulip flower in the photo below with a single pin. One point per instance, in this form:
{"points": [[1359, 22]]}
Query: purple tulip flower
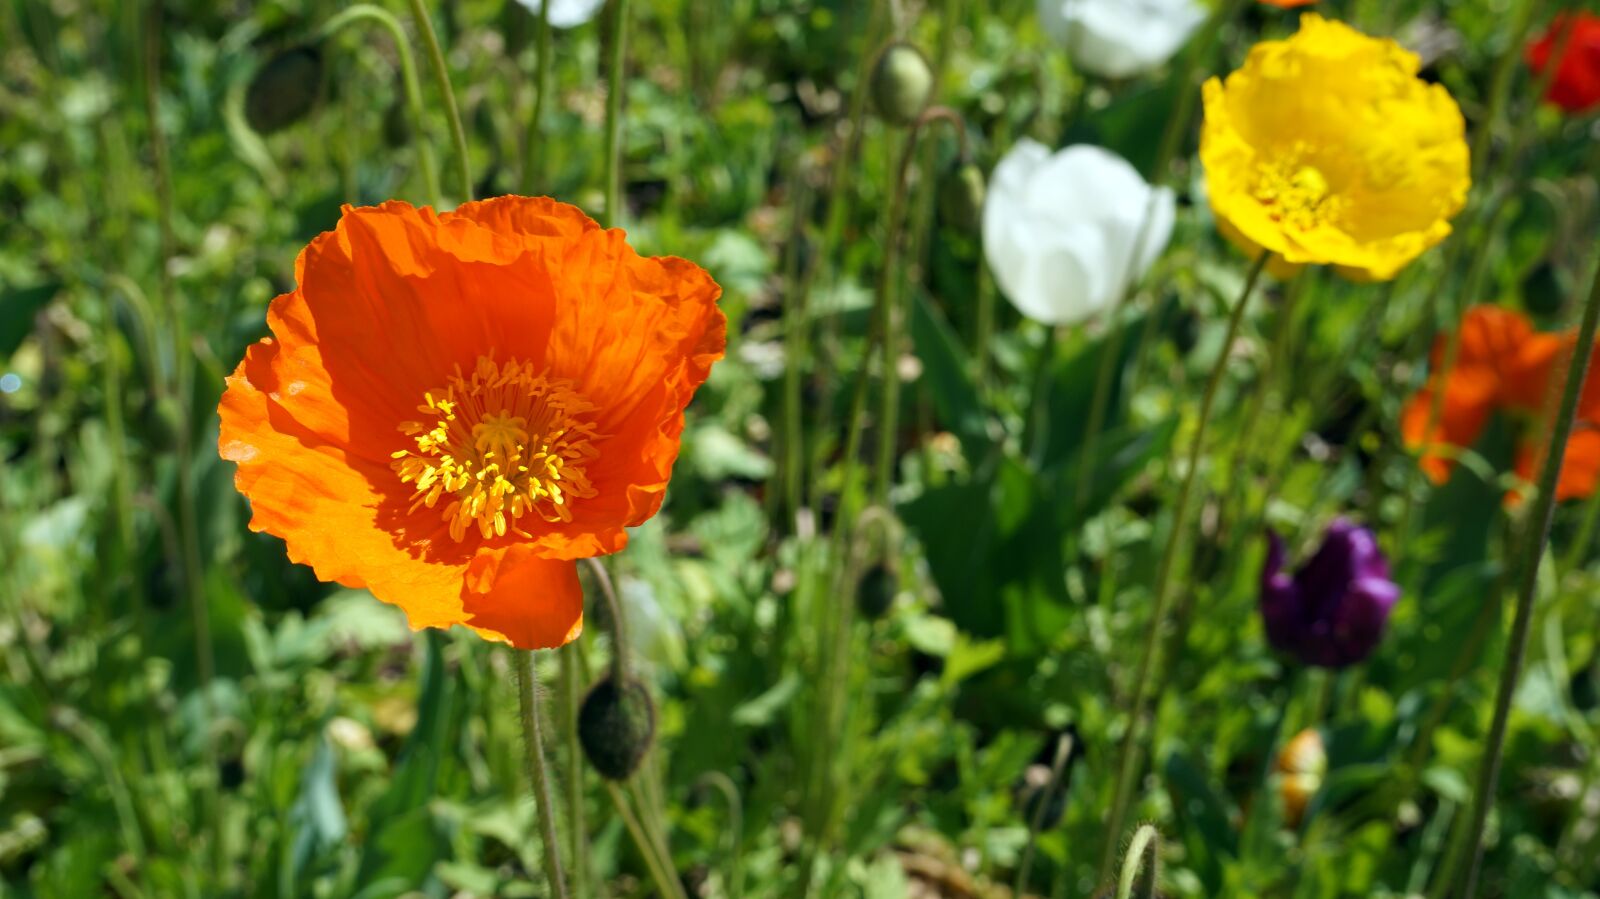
{"points": [[1331, 613]]}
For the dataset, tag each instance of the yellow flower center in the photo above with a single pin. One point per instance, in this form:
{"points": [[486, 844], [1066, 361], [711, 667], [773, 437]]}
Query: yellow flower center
{"points": [[499, 444], [1296, 194]]}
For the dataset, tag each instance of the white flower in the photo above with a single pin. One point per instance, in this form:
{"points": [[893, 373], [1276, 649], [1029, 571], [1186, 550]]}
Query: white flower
{"points": [[1066, 233], [567, 13], [1119, 38]]}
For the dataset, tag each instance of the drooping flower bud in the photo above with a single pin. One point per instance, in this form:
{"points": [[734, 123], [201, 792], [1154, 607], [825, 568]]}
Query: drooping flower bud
{"points": [[875, 592], [961, 191], [1545, 288], [285, 89], [616, 727], [1300, 766], [1332, 612], [902, 84]]}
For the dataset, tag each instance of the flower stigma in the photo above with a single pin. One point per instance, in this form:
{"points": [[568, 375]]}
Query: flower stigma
{"points": [[505, 442]]}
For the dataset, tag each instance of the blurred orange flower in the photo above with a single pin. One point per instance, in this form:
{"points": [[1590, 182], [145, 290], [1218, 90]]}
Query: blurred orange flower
{"points": [[454, 407], [1503, 366], [1288, 4]]}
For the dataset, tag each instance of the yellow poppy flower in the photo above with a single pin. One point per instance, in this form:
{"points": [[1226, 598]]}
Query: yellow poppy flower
{"points": [[1327, 149]]}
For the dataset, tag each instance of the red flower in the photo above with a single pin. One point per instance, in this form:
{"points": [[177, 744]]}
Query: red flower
{"points": [[1504, 366], [1576, 85]]}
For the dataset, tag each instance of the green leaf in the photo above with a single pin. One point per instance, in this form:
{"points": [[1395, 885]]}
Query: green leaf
{"points": [[949, 372], [18, 306], [762, 710], [317, 816], [405, 841]]}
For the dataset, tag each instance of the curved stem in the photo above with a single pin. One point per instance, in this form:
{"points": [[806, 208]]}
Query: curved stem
{"points": [[1132, 747], [1146, 841], [532, 159], [724, 784], [619, 624], [889, 313], [660, 872], [1533, 551], [441, 75], [538, 775], [408, 78], [614, 96]]}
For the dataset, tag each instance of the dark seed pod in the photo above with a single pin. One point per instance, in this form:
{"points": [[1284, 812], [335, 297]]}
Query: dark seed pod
{"points": [[616, 727], [902, 84], [961, 192], [875, 592], [1545, 289], [285, 89]]}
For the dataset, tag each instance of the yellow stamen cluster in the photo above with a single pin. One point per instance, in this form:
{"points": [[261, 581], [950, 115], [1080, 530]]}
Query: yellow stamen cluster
{"points": [[1296, 194], [499, 444]]}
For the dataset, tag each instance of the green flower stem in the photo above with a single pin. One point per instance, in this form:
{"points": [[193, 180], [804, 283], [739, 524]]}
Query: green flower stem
{"points": [[572, 691], [441, 76], [889, 321], [1487, 214], [1058, 764], [724, 784], [1146, 842], [667, 884], [839, 207], [1585, 539], [408, 78], [1160, 170], [653, 826], [532, 159], [619, 623], [174, 307], [796, 331], [538, 776], [1132, 744], [615, 88], [105, 757], [1538, 534], [889, 307]]}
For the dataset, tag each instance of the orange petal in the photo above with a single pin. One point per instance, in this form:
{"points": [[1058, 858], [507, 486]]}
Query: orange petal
{"points": [[1463, 414], [512, 595], [320, 497]]}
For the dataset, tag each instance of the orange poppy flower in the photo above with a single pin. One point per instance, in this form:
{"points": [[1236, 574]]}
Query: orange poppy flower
{"points": [[1504, 366], [454, 407]]}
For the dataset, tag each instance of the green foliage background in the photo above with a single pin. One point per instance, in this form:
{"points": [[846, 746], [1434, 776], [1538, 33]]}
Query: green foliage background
{"points": [[336, 754]]}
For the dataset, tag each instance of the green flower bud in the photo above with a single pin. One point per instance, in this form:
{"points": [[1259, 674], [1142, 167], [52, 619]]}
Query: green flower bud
{"points": [[961, 192], [875, 592], [902, 84], [285, 89], [616, 727]]}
